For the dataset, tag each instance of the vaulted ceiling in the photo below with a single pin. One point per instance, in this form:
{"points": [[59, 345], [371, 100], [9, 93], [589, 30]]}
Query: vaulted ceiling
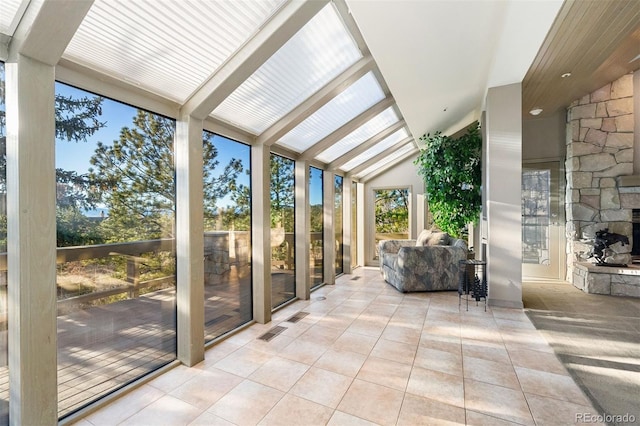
{"points": [[348, 85]]}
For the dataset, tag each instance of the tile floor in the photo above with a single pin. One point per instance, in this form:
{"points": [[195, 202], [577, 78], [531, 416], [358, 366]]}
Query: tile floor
{"points": [[364, 355]]}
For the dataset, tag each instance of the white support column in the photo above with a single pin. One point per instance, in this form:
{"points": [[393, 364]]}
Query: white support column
{"points": [[303, 225], [261, 232], [503, 195], [329, 229], [189, 240], [346, 225], [31, 231], [361, 224], [421, 214]]}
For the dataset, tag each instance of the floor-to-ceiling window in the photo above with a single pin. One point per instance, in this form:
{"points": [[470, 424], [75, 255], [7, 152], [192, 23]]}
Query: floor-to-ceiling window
{"points": [[115, 181], [282, 188], [354, 224], [227, 232], [316, 257], [391, 215], [338, 223], [4, 312]]}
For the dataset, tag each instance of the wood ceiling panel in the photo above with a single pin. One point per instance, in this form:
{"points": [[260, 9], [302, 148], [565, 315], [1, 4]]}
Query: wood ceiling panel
{"points": [[594, 41]]}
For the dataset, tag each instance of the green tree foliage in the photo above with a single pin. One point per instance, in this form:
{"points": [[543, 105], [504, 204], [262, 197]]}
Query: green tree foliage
{"points": [[392, 211], [451, 169], [76, 119], [282, 192], [136, 179]]}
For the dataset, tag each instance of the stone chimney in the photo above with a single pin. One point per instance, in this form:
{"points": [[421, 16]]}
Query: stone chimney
{"points": [[599, 166]]}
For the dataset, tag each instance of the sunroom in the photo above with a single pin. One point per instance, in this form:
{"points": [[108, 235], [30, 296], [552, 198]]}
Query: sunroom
{"points": [[176, 172]]}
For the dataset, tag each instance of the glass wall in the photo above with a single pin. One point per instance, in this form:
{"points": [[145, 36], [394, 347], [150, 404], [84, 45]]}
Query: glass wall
{"points": [[4, 314], [227, 235], [283, 280], [115, 229], [391, 215], [316, 254], [338, 223]]}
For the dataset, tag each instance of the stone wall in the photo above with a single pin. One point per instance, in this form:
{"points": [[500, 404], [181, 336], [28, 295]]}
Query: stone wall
{"points": [[599, 151]]}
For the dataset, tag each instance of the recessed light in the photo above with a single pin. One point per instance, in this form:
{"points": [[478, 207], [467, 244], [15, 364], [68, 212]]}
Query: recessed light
{"points": [[566, 74], [535, 111]]}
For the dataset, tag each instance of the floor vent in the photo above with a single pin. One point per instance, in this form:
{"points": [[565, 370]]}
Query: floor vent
{"points": [[355, 278], [272, 333], [297, 317]]}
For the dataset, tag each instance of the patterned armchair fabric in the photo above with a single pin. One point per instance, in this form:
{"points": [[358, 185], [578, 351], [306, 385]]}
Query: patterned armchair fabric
{"points": [[408, 267]]}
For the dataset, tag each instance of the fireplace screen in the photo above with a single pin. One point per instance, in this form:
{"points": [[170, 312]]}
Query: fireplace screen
{"points": [[536, 201]]}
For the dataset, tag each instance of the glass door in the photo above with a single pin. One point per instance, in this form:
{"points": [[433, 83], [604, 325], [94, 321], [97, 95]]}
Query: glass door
{"points": [[542, 222]]}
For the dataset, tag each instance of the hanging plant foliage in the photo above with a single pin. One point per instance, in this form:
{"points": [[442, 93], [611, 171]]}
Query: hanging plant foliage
{"points": [[452, 173]]}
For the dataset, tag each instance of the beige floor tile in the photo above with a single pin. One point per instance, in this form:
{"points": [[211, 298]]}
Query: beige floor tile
{"points": [[491, 351], [536, 360], [321, 334], [496, 373], [474, 418], [441, 342], [217, 352], [372, 402], [395, 351], [343, 419], [354, 342], [247, 403], [292, 410], [322, 386], [437, 386], [167, 410], [506, 324], [442, 361], [279, 373], [206, 388], [126, 406], [423, 411], [551, 412], [208, 419], [368, 327], [342, 362], [384, 372], [303, 351], [408, 335], [174, 378], [552, 385], [243, 362], [520, 339], [442, 328], [497, 401], [272, 347]]}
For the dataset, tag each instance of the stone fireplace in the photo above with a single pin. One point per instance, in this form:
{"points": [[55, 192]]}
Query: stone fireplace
{"points": [[602, 187]]}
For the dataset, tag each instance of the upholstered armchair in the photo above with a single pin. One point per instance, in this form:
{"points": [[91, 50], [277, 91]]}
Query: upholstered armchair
{"points": [[430, 263]]}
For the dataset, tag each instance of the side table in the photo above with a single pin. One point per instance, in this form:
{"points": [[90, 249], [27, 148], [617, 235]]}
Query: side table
{"points": [[473, 282]]}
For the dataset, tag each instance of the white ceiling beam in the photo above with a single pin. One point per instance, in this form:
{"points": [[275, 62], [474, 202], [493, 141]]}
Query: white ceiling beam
{"points": [[347, 128], [316, 101], [389, 165], [351, 154], [46, 28], [272, 36], [381, 156]]}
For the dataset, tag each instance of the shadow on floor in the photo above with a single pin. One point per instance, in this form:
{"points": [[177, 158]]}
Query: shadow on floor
{"points": [[597, 338]]}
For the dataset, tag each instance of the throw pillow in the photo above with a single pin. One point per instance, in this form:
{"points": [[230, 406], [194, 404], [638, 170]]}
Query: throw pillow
{"points": [[423, 237], [438, 239]]}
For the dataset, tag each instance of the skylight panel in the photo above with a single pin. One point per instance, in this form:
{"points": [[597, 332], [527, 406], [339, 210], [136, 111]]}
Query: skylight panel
{"points": [[359, 97], [314, 56], [10, 15], [165, 46], [372, 127], [385, 144], [387, 160]]}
